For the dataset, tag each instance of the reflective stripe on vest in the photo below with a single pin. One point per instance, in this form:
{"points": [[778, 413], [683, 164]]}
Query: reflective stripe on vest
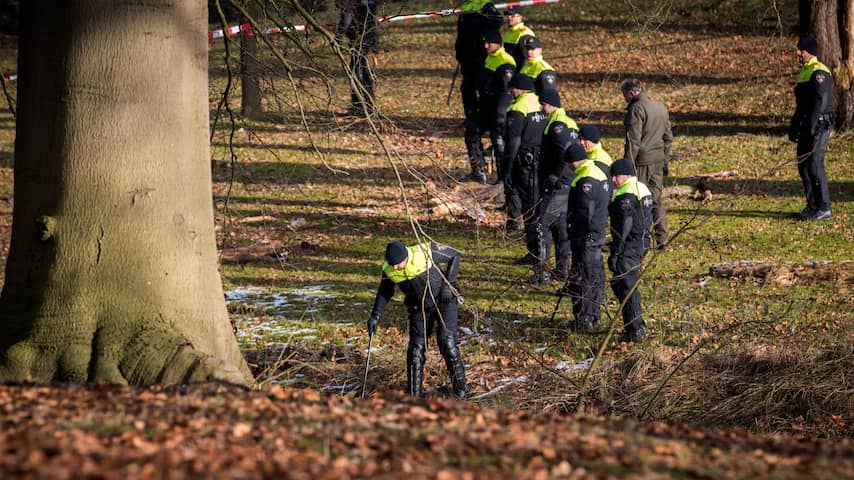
{"points": [[419, 260], [498, 58], [588, 169], [473, 5], [535, 66], [809, 68], [633, 186], [516, 32], [526, 103], [560, 115], [598, 154]]}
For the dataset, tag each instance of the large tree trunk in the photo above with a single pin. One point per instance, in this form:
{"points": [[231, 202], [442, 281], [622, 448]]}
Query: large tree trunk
{"points": [[251, 68], [831, 22], [112, 272]]}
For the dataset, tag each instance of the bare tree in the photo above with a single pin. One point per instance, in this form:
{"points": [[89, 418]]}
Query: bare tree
{"points": [[112, 272], [251, 67]]}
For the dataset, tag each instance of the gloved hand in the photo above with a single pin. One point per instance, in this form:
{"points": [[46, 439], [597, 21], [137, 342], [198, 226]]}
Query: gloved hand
{"points": [[552, 182], [450, 293], [372, 325]]}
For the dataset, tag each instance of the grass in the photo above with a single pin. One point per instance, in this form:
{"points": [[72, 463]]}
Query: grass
{"points": [[728, 89]]}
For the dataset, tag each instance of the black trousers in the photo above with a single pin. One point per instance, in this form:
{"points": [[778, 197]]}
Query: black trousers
{"points": [[626, 269], [421, 323], [526, 186], [361, 69], [552, 219], [586, 283], [811, 150], [468, 89]]}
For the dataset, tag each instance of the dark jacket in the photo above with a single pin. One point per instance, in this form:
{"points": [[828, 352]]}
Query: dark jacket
{"points": [[475, 19], [813, 100], [428, 286], [524, 131], [648, 134], [588, 206], [561, 130], [631, 219], [358, 23]]}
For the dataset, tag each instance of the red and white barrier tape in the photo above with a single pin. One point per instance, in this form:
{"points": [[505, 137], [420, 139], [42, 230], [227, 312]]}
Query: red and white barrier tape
{"points": [[245, 27], [391, 18]]}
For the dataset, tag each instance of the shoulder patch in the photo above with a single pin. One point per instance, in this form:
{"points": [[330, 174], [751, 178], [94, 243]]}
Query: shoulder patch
{"points": [[558, 129], [585, 188], [550, 79], [819, 78]]}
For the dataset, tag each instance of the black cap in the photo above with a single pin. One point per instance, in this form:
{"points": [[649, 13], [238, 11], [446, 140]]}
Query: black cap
{"points": [[590, 132], [532, 42], [522, 82], [493, 36], [551, 97], [622, 166], [808, 44], [395, 252], [514, 10], [574, 153]]}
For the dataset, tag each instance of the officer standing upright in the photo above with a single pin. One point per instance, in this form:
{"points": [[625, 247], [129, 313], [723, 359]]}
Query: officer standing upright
{"points": [[631, 219], [810, 128], [493, 100], [543, 75], [589, 195], [515, 35], [555, 177], [648, 142], [431, 297], [476, 18], [522, 138], [358, 22]]}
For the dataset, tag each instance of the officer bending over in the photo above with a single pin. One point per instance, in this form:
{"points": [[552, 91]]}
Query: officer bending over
{"points": [[430, 296]]}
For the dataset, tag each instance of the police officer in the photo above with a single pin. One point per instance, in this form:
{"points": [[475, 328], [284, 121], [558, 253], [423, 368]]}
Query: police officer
{"points": [[476, 18], [810, 128], [592, 143], [631, 219], [430, 296], [555, 177], [589, 195], [543, 75], [493, 100], [522, 138], [515, 35], [358, 23]]}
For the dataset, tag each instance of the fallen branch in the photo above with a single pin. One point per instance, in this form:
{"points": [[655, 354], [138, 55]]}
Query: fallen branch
{"points": [[696, 192], [463, 200], [258, 219], [787, 273], [707, 176], [267, 251]]}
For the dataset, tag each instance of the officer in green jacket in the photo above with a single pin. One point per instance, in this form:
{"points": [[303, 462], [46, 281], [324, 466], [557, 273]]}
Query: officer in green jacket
{"points": [[514, 37], [543, 75], [810, 128], [555, 177], [589, 195], [431, 294], [631, 219], [523, 136]]}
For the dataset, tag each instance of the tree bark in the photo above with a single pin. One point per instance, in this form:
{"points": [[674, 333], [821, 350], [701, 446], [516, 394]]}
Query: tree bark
{"points": [[832, 25], [112, 270], [251, 68], [844, 80]]}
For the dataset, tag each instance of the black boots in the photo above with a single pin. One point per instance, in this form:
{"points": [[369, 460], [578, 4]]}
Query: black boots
{"points": [[415, 370], [456, 368]]}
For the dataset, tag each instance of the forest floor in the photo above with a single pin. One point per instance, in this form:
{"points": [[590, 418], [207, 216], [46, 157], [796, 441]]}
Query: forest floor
{"points": [[742, 376]]}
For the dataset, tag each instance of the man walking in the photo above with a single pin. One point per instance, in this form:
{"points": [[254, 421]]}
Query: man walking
{"points": [[631, 218], [810, 128], [430, 296], [648, 142]]}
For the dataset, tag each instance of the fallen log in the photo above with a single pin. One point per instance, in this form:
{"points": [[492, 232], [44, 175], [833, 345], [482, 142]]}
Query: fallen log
{"points": [[707, 176], [695, 192], [266, 251], [463, 200], [787, 273], [258, 219]]}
